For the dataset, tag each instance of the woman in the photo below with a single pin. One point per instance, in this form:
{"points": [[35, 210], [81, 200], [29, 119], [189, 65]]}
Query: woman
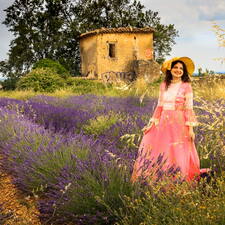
{"points": [[168, 141]]}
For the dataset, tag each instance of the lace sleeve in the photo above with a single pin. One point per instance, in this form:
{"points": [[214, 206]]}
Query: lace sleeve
{"points": [[190, 117], [157, 112]]}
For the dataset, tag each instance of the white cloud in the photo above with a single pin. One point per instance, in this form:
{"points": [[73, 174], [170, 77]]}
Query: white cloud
{"points": [[209, 9], [193, 19]]}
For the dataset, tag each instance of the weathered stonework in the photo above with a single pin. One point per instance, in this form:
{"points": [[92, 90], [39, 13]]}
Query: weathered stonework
{"points": [[112, 54], [116, 77], [147, 69]]}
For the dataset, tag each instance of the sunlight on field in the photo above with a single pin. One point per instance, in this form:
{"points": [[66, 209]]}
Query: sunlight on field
{"points": [[76, 151], [207, 87], [210, 88], [28, 94], [17, 94]]}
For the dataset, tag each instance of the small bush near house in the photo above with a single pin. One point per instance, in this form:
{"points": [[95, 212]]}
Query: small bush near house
{"points": [[54, 65], [42, 80]]}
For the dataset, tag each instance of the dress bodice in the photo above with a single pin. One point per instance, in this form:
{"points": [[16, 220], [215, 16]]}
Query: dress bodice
{"points": [[169, 96], [178, 96]]}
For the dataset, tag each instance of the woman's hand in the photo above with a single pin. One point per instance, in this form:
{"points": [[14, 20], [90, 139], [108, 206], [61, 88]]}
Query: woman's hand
{"points": [[191, 134], [147, 128]]}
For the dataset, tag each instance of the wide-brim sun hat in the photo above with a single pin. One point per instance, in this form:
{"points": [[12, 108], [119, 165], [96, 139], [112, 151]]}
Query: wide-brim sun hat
{"points": [[186, 60]]}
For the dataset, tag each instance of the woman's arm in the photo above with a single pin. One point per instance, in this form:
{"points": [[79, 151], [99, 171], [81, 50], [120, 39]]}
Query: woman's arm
{"points": [[158, 110], [190, 117]]}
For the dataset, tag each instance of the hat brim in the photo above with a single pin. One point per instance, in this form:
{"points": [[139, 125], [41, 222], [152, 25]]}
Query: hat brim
{"points": [[186, 60]]}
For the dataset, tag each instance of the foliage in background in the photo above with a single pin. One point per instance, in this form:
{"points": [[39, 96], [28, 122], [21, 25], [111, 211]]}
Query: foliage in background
{"points": [[54, 66], [82, 86], [42, 80], [205, 73], [207, 87], [51, 29], [9, 83]]}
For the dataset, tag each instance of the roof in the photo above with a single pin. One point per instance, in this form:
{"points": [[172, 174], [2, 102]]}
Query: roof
{"points": [[118, 30]]}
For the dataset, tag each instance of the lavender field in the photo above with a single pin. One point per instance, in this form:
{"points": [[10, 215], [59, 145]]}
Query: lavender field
{"points": [[76, 155]]}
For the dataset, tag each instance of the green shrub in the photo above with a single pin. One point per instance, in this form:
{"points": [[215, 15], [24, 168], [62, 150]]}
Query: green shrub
{"points": [[42, 80], [9, 83], [54, 65], [179, 205], [82, 86], [70, 81], [99, 125]]}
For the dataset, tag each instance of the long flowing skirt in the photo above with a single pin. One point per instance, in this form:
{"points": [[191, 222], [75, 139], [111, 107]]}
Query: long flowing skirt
{"points": [[168, 142]]}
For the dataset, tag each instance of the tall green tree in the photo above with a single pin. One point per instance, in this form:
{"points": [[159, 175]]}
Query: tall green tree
{"points": [[51, 29], [42, 30]]}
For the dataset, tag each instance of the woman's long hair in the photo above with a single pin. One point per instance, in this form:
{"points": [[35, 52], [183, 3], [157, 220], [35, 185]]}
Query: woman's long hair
{"points": [[169, 77]]}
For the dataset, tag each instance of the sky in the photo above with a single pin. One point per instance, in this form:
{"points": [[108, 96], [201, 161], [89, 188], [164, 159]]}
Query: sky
{"points": [[192, 18]]}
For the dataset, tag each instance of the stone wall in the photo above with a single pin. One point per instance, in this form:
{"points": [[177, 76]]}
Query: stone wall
{"points": [[147, 69], [96, 62], [128, 47]]}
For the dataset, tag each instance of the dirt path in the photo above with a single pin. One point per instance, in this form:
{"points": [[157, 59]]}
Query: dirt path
{"points": [[14, 201]]}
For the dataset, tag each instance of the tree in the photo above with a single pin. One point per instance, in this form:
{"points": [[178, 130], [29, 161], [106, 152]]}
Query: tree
{"points": [[51, 29], [42, 30]]}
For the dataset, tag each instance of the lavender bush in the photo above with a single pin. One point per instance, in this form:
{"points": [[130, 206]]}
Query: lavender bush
{"points": [[4, 216], [210, 134], [77, 153]]}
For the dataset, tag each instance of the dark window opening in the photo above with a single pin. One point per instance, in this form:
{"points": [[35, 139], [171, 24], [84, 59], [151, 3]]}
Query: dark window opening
{"points": [[112, 50]]}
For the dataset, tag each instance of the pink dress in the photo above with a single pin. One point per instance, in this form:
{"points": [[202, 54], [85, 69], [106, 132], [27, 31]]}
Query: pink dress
{"points": [[169, 136]]}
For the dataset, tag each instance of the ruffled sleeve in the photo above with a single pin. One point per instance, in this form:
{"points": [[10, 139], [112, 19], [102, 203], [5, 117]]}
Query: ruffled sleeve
{"points": [[190, 117], [158, 110]]}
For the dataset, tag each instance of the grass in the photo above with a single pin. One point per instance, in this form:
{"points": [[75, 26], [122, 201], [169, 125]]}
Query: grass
{"points": [[208, 87], [115, 199], [181, 205]]}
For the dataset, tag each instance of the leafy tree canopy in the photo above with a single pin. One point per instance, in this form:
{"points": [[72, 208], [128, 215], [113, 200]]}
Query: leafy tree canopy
{"points": [[54, 65]]}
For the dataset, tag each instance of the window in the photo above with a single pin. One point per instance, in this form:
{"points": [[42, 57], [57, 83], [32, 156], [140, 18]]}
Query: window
{"points": [[112, 50]]}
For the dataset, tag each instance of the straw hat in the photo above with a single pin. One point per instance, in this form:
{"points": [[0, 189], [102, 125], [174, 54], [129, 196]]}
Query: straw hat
{"points": [[187, 61]]}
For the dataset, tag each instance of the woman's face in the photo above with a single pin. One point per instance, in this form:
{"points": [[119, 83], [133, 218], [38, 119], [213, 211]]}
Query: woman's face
{"points": [[177, 71]]}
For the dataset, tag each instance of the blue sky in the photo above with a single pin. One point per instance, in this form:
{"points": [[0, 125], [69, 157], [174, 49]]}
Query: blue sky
{"points": [[192, 18]]}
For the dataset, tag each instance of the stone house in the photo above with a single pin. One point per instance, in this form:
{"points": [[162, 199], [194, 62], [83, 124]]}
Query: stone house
{"points": [[118, 53]]}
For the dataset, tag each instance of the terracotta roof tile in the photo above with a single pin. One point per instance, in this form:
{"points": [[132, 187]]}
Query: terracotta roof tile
{"points": [[118, 30]]}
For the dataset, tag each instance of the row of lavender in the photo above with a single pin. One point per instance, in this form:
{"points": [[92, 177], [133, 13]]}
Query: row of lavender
{"points": [[4, 217], [70, 151]]}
